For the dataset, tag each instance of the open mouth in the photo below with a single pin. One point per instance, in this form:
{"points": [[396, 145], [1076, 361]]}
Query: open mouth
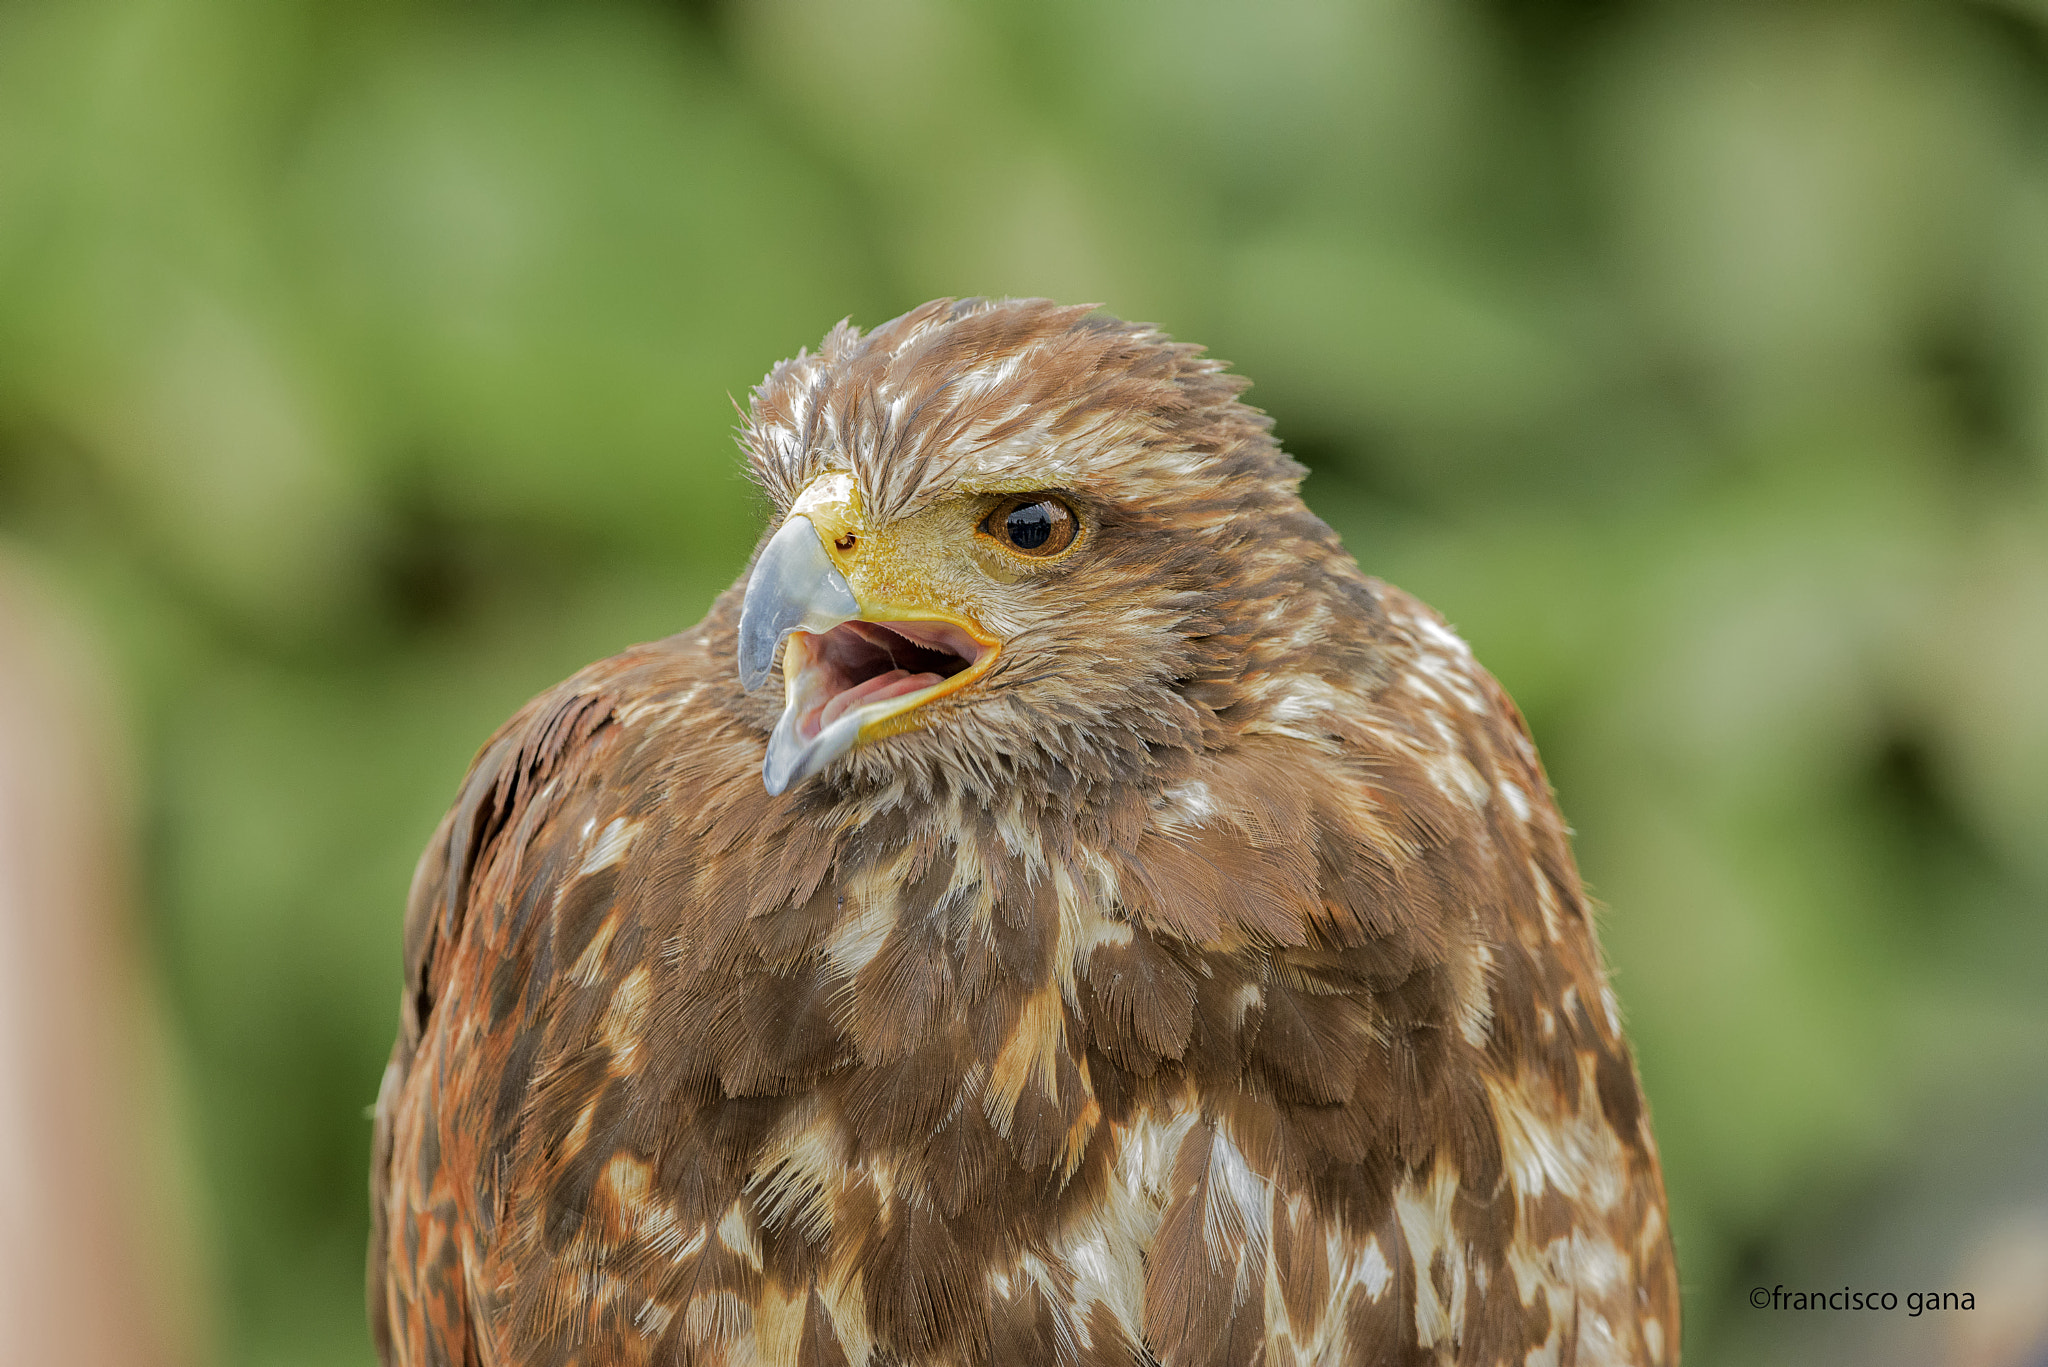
{"points": [[846, 676], [859, 665]]}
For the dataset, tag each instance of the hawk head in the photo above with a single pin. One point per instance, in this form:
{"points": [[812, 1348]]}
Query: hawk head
{"points": [[1018, 546]]}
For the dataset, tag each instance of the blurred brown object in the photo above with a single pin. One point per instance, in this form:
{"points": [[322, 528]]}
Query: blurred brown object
{"points": [[2008, 1272], [83, 1250]]}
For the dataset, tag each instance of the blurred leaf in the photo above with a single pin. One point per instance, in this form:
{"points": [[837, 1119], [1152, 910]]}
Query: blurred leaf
{"points": [[1798, 185], [556, 245], [1379, 335]]}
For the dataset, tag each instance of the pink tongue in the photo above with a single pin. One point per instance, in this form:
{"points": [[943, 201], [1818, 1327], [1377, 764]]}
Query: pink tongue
{"points": [[894, 684]]}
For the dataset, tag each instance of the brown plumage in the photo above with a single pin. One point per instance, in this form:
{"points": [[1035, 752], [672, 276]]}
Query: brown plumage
{"points": [[1176, 957]]}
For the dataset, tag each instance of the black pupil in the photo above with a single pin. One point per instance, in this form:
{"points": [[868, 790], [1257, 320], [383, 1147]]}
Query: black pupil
{"points": [[1029, 527]]}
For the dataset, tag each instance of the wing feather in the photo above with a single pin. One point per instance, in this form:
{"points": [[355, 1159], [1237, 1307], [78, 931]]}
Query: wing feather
{"points": [[421, 1274], [1445, 1117]]}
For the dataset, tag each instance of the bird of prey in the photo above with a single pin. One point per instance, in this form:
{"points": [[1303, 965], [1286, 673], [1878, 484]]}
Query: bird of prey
{"points": [[1055, 909]]}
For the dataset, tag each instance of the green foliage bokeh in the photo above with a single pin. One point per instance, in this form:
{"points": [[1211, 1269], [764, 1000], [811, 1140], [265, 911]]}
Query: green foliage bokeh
{"points": [[366, 367]]}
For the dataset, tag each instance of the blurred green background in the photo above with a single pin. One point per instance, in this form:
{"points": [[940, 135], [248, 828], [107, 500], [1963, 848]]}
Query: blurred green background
{"points": [[364, 368]]}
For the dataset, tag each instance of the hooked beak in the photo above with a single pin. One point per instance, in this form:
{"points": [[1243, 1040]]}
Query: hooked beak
{"points": [[852, 668], [794, 587]]}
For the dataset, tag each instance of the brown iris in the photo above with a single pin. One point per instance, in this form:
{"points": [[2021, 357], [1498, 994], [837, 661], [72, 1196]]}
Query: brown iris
{"points": [[1032, 524]]}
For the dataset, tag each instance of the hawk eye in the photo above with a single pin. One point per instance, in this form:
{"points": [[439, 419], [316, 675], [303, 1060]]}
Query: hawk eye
{"points": [[1032, 524]]}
